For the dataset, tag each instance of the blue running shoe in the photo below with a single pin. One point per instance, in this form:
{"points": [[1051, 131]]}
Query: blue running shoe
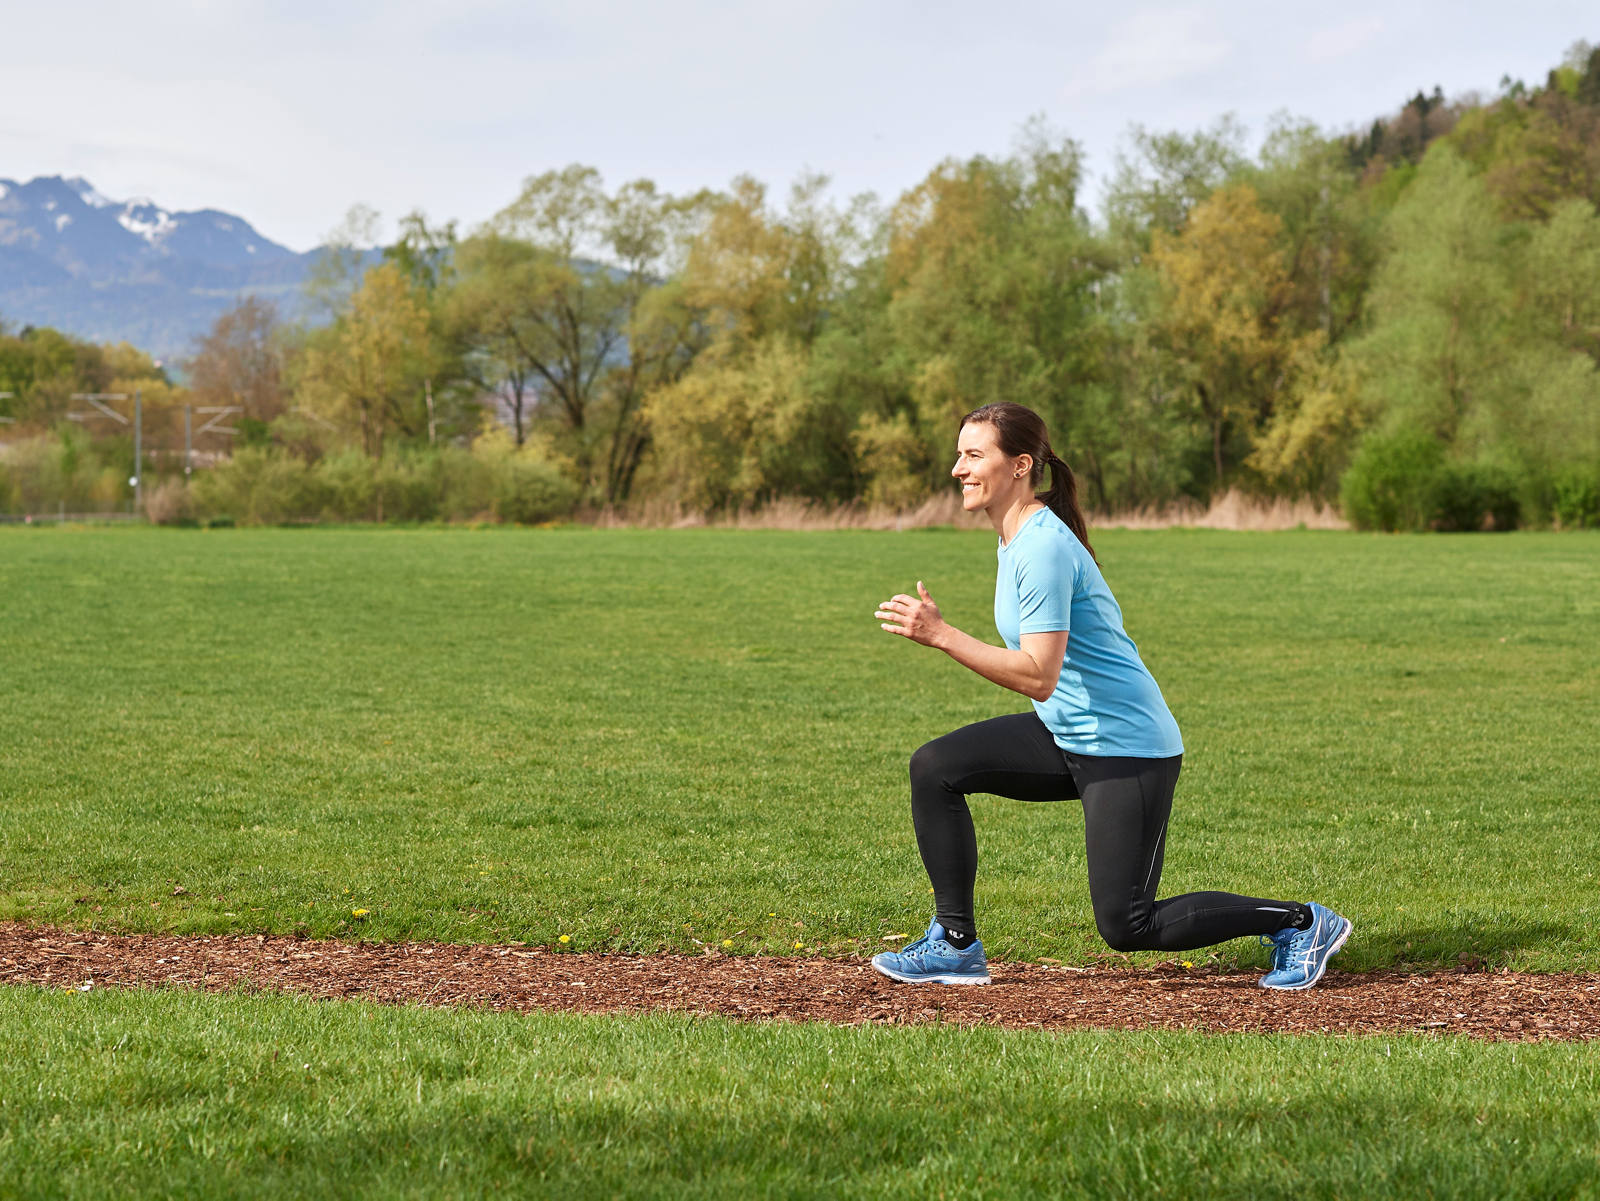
{"points": [[1299, 957], [931, 960]]}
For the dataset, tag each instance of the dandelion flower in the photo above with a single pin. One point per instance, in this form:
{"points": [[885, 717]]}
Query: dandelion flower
{"points": [[1186, 963], [799, 945], [564, 939], [727, 942], [359, 912]]}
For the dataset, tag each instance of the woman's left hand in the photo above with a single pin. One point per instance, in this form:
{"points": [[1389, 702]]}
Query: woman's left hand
{"points": [[918, 620]]}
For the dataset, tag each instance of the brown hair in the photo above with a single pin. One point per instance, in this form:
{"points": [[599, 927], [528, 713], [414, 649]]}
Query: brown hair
{"points": [[1020, 431]]}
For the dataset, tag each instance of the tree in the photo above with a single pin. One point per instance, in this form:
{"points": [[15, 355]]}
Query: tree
{"points": [[1440, 303], [341, 264], [1226, 286], [1330, 234], [369, 362], [760, 286], [240, 361], [993, 276], [735, 433], [424, 253], [551, 299], [1161, 177], [426, 256], [1560, 267], [1534, 151]]}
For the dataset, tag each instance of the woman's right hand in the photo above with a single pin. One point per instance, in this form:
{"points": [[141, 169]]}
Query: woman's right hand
{"points": [[914, 617]]}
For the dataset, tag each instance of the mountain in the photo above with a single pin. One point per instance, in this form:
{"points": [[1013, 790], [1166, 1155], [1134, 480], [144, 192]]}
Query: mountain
{"points": [[115, 271]]}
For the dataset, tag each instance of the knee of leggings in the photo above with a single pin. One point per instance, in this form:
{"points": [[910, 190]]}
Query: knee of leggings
{"points": [[1119, 931], [925, 766]]}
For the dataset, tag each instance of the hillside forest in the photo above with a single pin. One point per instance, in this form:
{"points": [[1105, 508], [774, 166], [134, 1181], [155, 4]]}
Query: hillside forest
{"points": [[1402, 321]]}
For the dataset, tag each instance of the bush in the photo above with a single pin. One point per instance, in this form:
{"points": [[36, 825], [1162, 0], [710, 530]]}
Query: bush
{"points": [[466, 485], [408, 487], [168, 503], [528, 492], [1576, 498], [1463, 497], [259, 487], [348, 490], [64, 470], [32, 477], [1402, 482], [1389, 484]]}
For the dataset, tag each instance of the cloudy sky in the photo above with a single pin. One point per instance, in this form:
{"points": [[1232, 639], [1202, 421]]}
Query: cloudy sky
{"points": [[287, 112]]}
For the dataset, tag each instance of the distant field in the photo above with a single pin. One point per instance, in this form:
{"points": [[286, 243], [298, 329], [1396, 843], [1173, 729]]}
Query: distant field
{"points": [[641, 739]]}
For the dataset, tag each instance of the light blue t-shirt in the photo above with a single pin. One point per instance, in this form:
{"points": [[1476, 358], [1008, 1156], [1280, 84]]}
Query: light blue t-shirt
{"points": [[1106, 702]]}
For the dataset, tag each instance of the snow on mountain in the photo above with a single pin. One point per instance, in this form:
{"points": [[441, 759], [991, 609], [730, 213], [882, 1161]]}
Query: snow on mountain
{"points": [[143, 218], [76, 259], [86, 193], [40, 213]]}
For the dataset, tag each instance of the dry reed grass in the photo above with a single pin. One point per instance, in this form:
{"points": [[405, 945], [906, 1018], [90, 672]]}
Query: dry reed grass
{"points": [[1232, 510]]}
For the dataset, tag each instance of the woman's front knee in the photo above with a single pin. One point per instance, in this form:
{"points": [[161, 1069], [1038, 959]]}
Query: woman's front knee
{"points": [[927, 764], [1119, 931]]}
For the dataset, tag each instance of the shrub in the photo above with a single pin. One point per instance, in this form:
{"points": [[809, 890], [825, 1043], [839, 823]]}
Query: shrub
{"points": [[466, 485], [407, 487], [250, 431], [1463, 496], [348, 490], [168, 503], [1389, 484], [259, 487], [33, 476], [1576, 498], [528, 492], [264, 486]]}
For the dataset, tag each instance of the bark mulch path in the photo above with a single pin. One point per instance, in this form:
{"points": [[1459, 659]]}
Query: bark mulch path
{"points": [[1489, 1005]]}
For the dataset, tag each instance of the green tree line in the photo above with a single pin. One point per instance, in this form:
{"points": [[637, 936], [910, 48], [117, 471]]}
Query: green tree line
{"points": [[1403, 321]]}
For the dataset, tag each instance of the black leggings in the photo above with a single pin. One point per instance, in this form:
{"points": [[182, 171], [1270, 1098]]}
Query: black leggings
{"points": [[1125, 807]]}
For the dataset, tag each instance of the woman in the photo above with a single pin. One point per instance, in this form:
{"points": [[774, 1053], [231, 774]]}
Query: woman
{"points": [[1099, 731]]}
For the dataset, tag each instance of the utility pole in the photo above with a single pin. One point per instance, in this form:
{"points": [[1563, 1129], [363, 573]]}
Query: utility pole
{"points": [[7, 420], [98, 399], [188, 441], [427, 391], [138, 453]]}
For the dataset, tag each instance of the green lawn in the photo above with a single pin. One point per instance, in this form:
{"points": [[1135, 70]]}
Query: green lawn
{"points": [[188, 1095], [641, 738]]}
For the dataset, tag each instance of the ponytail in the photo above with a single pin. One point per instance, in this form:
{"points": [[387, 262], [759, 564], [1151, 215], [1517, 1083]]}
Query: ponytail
{"points": [[1062, 498]]}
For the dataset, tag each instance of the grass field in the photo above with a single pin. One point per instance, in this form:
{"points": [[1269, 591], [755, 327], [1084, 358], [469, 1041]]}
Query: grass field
{"points": [[639, 739], [644, 740], [181, 1094]]}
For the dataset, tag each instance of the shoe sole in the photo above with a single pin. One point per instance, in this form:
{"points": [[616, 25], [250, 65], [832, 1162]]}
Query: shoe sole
{"points": [[943, 978], [1322, 968]]}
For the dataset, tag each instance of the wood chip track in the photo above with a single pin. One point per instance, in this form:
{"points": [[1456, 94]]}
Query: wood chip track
{"points": [[1488, 1005]]}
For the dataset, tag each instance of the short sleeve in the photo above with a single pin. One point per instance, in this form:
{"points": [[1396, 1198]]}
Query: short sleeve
{"points": [[1046, 576]]}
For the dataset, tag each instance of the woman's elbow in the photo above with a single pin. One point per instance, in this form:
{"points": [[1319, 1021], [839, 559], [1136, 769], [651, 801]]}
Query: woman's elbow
{"points": [[1044, 691]]}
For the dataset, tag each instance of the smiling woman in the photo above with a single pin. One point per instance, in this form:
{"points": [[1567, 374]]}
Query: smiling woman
{"points": [[1100, 731]]}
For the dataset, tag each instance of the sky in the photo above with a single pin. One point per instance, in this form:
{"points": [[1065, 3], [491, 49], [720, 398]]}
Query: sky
{"points": [[288, 113]]}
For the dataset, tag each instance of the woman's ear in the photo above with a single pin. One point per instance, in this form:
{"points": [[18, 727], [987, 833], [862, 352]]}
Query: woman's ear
{"points": [[1024, 466]]}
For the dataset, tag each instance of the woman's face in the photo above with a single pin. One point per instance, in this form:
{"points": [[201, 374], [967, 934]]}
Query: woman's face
{"points": [[986, 473]]}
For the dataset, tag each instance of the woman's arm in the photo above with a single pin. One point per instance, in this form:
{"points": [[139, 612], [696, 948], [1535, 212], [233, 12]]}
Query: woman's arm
{"points": [[1032, 671]]}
